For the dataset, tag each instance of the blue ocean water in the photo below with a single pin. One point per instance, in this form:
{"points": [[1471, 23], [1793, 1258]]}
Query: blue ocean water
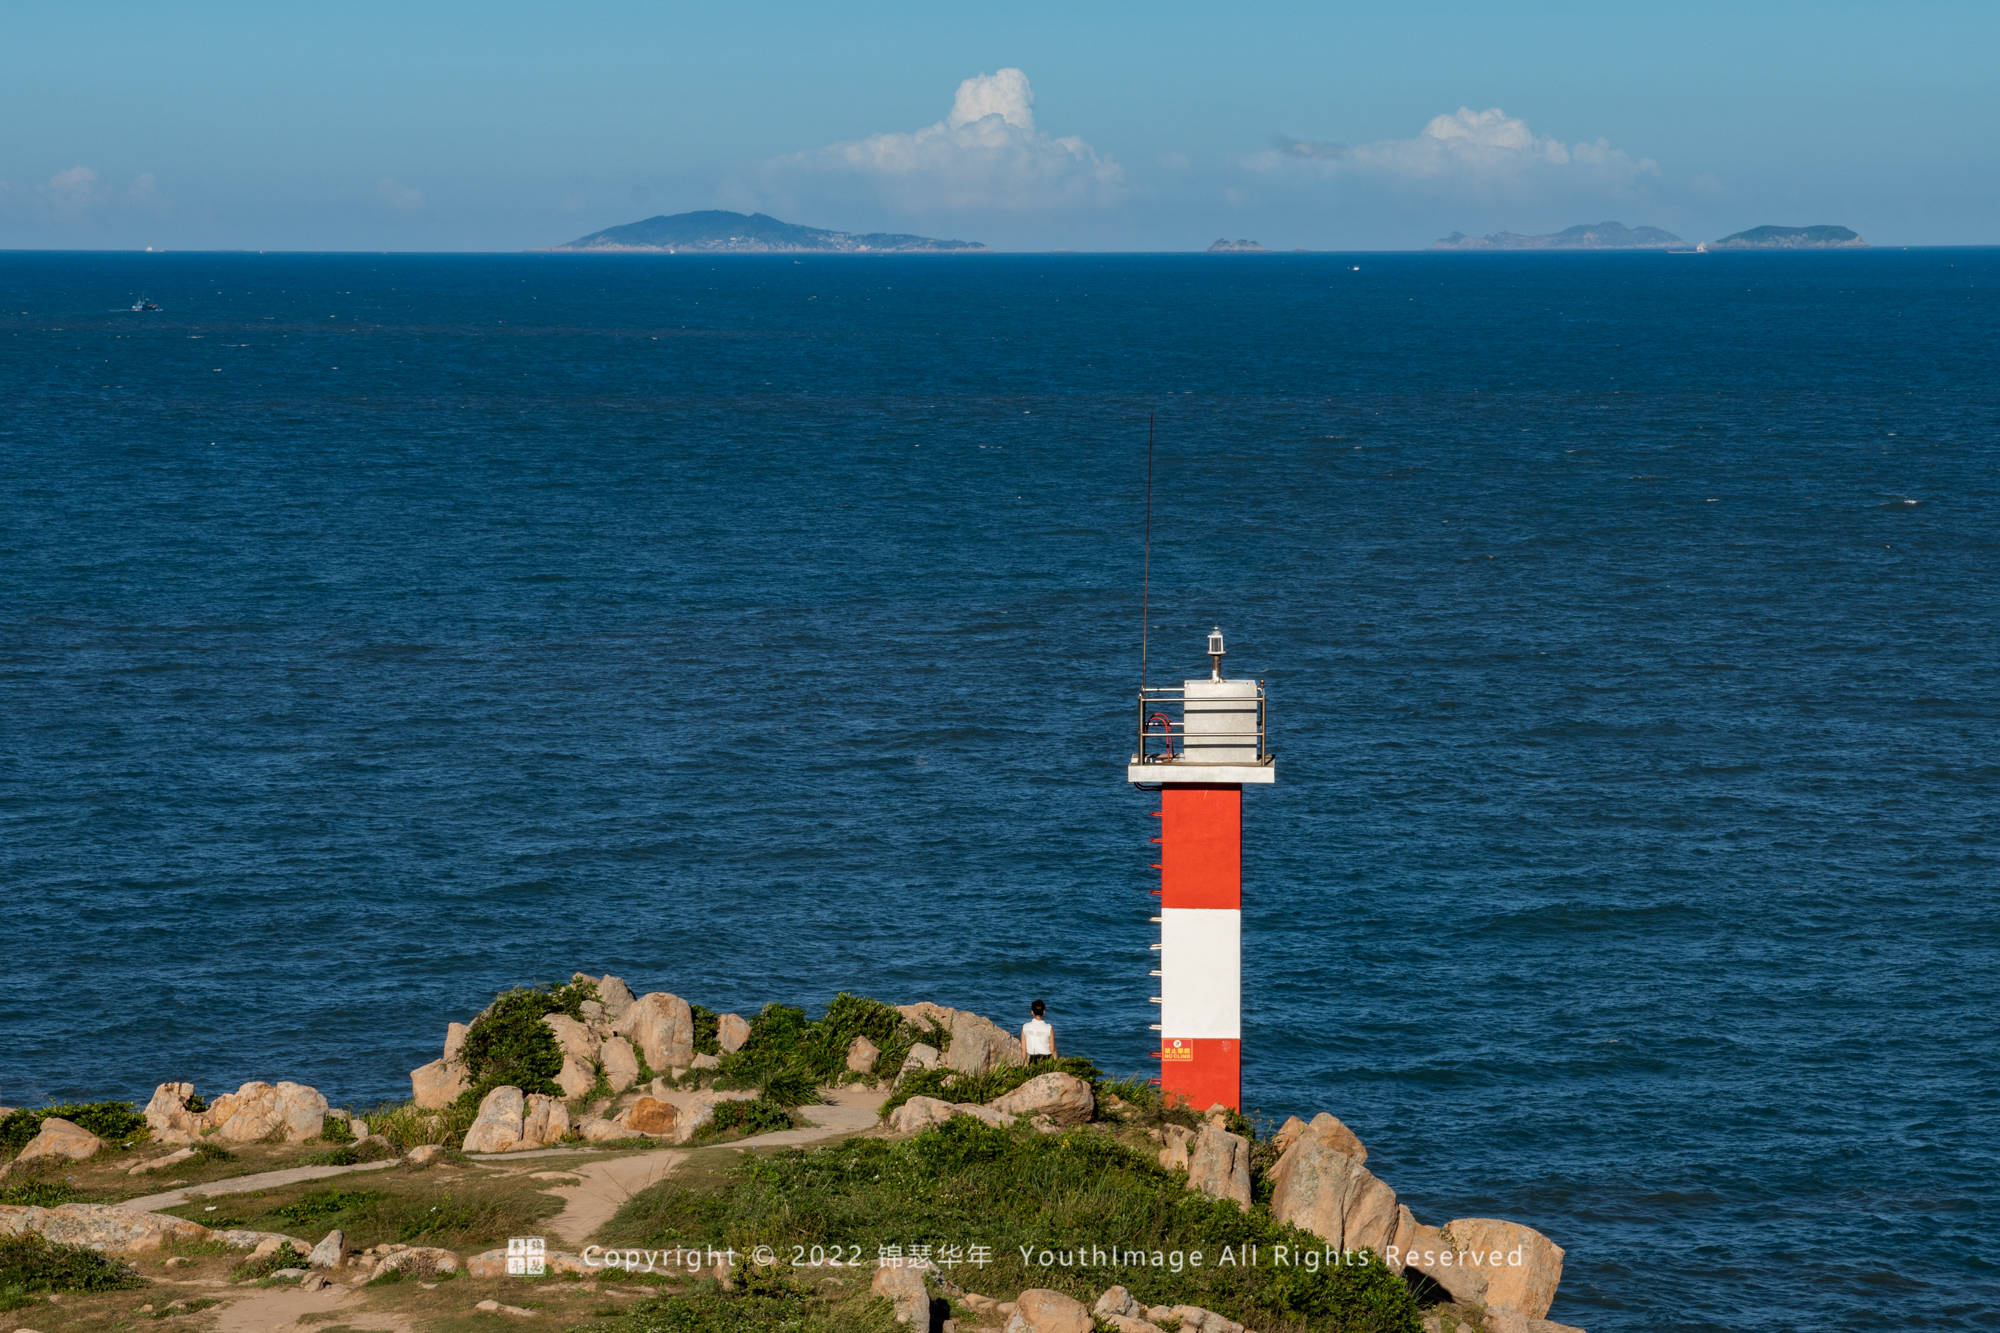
{"points": [[378, 632]]}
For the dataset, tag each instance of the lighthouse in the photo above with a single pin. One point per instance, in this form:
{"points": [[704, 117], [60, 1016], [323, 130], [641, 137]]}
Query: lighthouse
{"points": [[1200, 744]]}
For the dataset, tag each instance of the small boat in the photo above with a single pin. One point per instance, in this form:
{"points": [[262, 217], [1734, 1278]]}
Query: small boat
{"points": [[143, 304]]}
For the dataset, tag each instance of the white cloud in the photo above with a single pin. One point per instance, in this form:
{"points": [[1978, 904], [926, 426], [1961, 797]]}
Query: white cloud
{"points": [[1482, 149], [398, 196], [71, 194], [986, 154]]}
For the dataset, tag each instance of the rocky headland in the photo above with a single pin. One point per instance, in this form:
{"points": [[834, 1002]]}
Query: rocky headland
{"points": [[669, 1163], [1239, 246]]}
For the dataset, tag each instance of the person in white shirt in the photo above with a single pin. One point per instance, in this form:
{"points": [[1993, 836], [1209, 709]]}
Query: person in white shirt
{"points": [[1038, 1039]]}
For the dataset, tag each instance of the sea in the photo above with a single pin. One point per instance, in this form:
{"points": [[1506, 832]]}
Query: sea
{"points": [[381, 631]]}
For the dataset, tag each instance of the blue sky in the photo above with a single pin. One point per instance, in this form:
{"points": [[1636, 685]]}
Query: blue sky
{"points": [[503, 126]]}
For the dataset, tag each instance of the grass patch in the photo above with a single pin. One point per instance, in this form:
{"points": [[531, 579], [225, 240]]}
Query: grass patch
{"points": [[38, 1193], [114, 1122], [463, 1215], [30, 1265], [966, 1183], [319, 1205], [407, 1125], [766, 1299]]}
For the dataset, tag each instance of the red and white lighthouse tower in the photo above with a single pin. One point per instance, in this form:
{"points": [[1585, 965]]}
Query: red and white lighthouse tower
{"points": [[1200, 745]]}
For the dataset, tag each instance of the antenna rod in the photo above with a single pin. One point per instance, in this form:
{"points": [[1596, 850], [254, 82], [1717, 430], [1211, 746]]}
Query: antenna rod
{"points": [[1146, 578]]}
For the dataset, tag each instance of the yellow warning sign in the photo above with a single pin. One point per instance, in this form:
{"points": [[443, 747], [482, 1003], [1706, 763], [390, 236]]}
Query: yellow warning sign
{"points": [[1176, 1051]]}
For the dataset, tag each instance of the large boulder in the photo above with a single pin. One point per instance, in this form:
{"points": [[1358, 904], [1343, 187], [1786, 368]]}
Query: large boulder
{"points": [[500, 1122], [612, 993], [1123, 1311], [254, 1112], [544, 1121], [662, 1027], [1063, 1098], [919, 1113], [978, 1045], [621, 1065], [923, 1055], [1329, 1193], [1502, 1265], [596, 1129], [650, 1115], [258, 1111], [418, 1261], [731, 1031], [60, 1140], [168, 1116], [1039, 1310], [493, 1263], [438, 1084], [330, 1252], [1220, 1165], [924, 1014], [1194, 1319], [100, 1226], [579, 1046], [1328, 1129], [904, 1288], [1178, 1150], [454, 1039], [861, 1056], [574, 1039]]}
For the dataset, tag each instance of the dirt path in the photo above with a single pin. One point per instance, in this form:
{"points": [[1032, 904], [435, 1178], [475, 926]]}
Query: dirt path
{"points": [[153, 1203], [849, 1111], [594, 1192], [291, 1310], [600, 1189]]}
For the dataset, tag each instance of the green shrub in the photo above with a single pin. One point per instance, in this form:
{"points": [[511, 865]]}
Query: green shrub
{"points": [[28, 1263], [789, 1056], [110, 1121], [759, 1116], [509, 1043], [211, 1152], [951, 1086], [896, 1050], [706, 1020], [37, 1193], [332, 1130], [966, 1183]]}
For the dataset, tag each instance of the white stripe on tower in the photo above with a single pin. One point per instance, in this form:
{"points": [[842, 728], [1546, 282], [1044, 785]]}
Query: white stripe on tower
{"points": [[1201, 972]]}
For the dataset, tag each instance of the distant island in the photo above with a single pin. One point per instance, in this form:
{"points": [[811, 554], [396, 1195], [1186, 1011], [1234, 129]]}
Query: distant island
{"points": [[1237, 247], [716, 231], [1583, 236], [1791, 238]]}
